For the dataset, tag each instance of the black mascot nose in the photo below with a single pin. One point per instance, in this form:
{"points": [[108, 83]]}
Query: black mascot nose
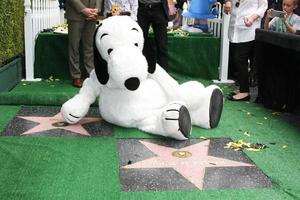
{"points": [[132, 83]]}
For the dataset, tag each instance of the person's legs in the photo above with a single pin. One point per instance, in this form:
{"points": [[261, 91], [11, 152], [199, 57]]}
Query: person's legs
{"points": [[231, 68], [253, 70], [74, 36], [87, 42], [144, 21], [241, 56], [244, 51], [159, 25]]}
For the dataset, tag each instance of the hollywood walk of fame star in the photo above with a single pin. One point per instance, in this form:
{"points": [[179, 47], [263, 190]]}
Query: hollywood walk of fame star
{"points": [[57, 122], [189, 161]]}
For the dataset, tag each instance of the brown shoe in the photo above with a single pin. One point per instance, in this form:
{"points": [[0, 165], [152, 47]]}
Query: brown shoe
{"points": [[77, 83]]}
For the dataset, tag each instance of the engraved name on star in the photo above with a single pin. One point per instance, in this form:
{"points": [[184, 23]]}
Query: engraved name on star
{"points": [[189, 161], [57, 122]]}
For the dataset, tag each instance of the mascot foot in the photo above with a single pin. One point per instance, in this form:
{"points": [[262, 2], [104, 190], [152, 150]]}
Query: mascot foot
{"points": [[185, 124], [177, 121], [74, 109], [215, 107]]}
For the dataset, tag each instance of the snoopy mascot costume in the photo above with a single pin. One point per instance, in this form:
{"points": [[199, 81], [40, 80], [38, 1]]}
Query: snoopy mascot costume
{"points": [[133, 94]]}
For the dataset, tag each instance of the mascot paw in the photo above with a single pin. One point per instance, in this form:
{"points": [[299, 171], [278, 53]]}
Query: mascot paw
{"points": [[177, 121], [74, 110], [215, 107]]}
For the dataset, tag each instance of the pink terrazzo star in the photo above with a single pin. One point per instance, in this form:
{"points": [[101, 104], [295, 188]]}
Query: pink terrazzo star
{"points": [[189, 161], [47, 123]]}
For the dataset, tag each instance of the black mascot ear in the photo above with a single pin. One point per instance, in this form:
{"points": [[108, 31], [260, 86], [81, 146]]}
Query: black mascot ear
{"points": [[99, 63]]}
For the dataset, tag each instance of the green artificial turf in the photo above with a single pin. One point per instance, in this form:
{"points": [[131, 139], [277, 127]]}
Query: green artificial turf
{"points": [[45, 92], [88, 168]]}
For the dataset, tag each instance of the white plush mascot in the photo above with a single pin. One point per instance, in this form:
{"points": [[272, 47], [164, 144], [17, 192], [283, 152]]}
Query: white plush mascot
{"points": [[133, 94]]}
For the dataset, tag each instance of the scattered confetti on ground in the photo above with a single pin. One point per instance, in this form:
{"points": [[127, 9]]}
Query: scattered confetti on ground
{"points": [[179, 32], [241, 145]]}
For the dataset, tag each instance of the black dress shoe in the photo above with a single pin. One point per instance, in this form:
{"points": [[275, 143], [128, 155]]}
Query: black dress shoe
{"points": [[246, 98]]}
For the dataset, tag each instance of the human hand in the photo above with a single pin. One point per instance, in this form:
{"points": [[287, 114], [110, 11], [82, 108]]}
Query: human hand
{"points": [[95, 11], [269, 13], [248, 21], [172, 9], [94, 14], [90, 13], [285, 17], [227, 7]]}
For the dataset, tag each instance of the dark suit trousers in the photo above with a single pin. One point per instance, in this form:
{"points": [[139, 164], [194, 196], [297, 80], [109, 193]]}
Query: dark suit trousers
{"points": [[154, 15], [240, 53], [80, 31]]}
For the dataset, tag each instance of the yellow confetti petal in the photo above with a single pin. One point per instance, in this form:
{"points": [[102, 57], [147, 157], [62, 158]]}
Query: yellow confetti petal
{"points": [[253, 149], [247, 134], [276, 113]]}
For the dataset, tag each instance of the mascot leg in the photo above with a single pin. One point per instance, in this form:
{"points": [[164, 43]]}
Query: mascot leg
{"points": [[205, 104], [172, 121]]}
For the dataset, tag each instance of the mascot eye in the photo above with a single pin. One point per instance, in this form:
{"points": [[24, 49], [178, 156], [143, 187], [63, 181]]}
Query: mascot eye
{"points": [[134, 29], [109, 51], [104, 34], [136, 44]]}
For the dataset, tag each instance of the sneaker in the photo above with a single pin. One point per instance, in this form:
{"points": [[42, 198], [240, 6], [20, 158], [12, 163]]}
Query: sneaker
{"points": [[185, 27], [193, 29]]}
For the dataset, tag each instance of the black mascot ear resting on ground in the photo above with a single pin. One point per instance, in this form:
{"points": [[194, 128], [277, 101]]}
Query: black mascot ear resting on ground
{"points": [[132, 97], [99, 63]]}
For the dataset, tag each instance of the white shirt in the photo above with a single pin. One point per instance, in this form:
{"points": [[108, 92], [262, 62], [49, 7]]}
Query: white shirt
{"points": [[125, 6], [238, 31]]}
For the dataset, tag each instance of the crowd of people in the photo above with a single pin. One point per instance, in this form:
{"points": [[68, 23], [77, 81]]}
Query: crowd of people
{"points": [[245, 17]]}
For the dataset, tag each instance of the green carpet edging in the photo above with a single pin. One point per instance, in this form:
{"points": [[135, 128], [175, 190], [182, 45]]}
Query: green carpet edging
{"points": [[45, 92], [39, 93], [56, 92]]}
